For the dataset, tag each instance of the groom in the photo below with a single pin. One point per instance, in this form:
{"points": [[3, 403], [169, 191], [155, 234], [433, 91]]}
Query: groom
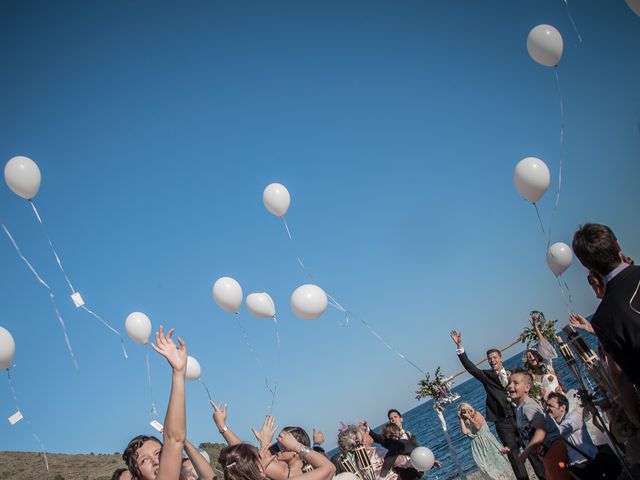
{"points": [[499, 410]]}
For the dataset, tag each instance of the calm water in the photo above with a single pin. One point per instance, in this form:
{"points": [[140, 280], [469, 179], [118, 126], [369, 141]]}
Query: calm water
{"points": [[423, 422]]}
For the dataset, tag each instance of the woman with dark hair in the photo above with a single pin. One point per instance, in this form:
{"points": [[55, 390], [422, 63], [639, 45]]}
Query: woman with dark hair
{"points": [[245, 462], [121, 474], [539, 363], [146, 457]]}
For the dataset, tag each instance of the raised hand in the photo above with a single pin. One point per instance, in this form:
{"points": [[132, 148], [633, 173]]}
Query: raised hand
{"points": [[289, 442], [456, 337], [578, 321], [165, 346], [318, 437], [265, 436], [219, 414], [533, 321]]}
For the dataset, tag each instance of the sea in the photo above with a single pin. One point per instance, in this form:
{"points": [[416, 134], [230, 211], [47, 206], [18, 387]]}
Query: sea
{"points": [[423, 422]]}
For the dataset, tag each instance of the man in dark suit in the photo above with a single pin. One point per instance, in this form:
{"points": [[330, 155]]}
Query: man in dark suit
{"points": [[499, 409], [617, 319]]}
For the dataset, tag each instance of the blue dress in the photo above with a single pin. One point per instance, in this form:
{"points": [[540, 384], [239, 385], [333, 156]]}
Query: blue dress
{"points": [[486, 453]]}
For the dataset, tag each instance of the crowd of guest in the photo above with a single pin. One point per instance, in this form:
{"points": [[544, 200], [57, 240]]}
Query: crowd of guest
{"points": [[535, 418]]}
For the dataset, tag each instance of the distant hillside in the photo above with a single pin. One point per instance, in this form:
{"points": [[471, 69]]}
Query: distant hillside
{"points": [[30, 466]]}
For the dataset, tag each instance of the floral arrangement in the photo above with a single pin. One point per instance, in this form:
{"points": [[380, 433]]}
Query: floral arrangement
{"points": [[547, 328], [438, 388]]}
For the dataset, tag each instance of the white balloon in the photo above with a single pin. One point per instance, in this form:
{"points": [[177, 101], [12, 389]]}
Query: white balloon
{"points": [[308, 302], [193, 368], [276, 199], [204, 453], [422, 459], [22, 176], [261, 305], [138, 327], [545, 44], [559, 258], [7, 349], [227, 293], [531, 178], [634, 5]]}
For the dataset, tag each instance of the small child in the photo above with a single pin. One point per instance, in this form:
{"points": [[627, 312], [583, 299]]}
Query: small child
{"points": [[537, 429]]}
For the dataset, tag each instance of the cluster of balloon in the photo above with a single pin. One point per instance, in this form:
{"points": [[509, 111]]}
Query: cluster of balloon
{"points": [[23, 177], [559, 258], [422, 459], [7, 349], [545, 45], [634, 5], [531, 178], [227, 293], [309, 301]]}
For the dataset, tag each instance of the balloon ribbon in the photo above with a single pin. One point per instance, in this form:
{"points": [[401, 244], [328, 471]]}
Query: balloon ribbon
{"points": [[153, 412], [51, 295]]}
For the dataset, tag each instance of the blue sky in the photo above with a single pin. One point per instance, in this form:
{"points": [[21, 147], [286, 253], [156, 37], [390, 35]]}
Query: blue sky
{"points": [[396, 127]]}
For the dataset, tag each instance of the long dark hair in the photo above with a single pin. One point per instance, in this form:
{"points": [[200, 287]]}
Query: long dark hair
{"points": [[130, 455], [540, 368]]}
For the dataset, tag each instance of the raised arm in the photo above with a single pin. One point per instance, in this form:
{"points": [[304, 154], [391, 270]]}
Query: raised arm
{"points": [[323, 469], [545, 349], [175, 428], [200, 464], [468, 365], [220, 419], [578, 321]]}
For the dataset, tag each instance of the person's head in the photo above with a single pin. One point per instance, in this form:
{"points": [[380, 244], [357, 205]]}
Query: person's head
{"points": [[241, 462], [367, 439], [121, 474], [465, 409], [301, 436], [557, 406], [520, 383], [187, 470], [391, 431], [597, 248], [394, 416], [349, 439], [596, 283], [142, 457], [532, 360], [494, 357]]}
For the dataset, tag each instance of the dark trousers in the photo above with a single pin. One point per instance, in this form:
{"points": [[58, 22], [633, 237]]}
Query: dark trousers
{"points": [[508, 434]]}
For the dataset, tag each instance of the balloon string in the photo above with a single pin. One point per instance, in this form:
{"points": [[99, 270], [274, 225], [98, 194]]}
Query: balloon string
{"points": [[561, 163], [335, 304], [124, 350], [575, 28], [379, 337], [565, 295], [273, 396], [51, 295], [544, 234], [295, 249], [33, 433], [153, 412], [255, 356], [55, 254], [206, 388]]}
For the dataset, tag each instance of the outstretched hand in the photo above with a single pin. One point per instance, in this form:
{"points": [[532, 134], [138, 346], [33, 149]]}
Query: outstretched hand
{"points": [[578, 321], [265, 435], [456, 337], [177, 357], [219, 414], [318, 437], [533, 321]]}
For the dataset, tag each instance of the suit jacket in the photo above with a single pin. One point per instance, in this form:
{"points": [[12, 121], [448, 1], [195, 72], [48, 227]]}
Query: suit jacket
{"points": [[616, 323], [499, 405], [397, 447]]}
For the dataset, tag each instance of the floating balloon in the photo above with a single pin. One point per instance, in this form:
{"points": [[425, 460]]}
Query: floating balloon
{"points": [[276, 199], [559, 258], [138, 327], [7, 349], [22, 176], [308, 302], [227, 293], [422, 459], [193, 368], [634, 5], [531, 178], [544, 44], [261, 305]]}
